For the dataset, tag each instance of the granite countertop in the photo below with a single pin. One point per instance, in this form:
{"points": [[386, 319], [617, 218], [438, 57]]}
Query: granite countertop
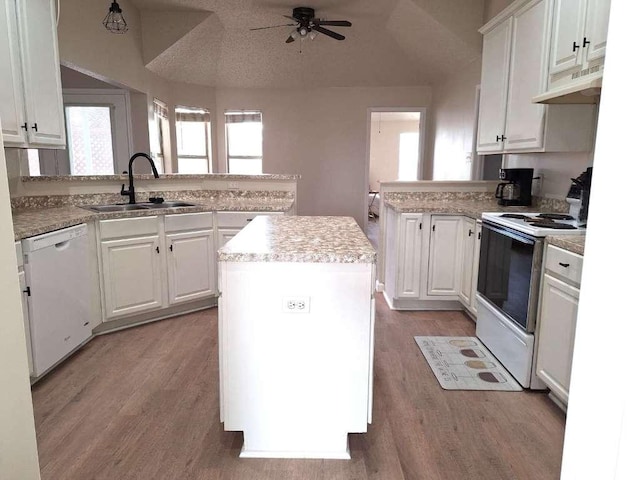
{"points": [[469, 208], [167, 176], [35, 221], [572, 243], [300, 240]]}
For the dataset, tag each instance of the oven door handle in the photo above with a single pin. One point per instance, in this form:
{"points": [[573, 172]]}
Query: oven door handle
{"points": [[509, 233]]}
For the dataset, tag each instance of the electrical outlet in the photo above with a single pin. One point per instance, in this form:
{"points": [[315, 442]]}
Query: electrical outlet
{"points": [[295, 304], [234, 185]]}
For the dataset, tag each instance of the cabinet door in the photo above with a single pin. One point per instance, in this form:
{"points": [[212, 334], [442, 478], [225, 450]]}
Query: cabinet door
{"points": [[132, 275], [409, 247], [567, 34], [558, 315], [25, 318], [41, 72], [476, 267], [468, 246], [596, 29], [11, 96], [444, 256], [226, 234], [493, 92], [190, 265], [527, 78]]}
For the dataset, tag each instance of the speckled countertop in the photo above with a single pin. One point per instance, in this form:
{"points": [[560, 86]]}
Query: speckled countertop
{"points": [[182, 176], [573, 243], [300, 240], [35, 221], [469, 208]]}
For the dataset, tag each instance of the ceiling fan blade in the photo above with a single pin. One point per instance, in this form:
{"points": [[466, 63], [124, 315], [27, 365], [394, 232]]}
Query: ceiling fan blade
{"points": [[290, 39], [275, 26], [335, 35], [333, 23]]}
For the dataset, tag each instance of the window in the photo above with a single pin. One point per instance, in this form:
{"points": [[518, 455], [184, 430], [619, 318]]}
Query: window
{"points": [[408, 156], [90, 141], [158, 134], [193, 137], [244, 142], [33, 158]]}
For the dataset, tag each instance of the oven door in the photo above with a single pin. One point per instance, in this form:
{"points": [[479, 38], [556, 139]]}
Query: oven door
{"points": [[509, 273]]}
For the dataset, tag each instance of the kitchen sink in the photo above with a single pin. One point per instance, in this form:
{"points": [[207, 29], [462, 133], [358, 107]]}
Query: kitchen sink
{"points": [[116, 208], [169, 204], [125, 207]]}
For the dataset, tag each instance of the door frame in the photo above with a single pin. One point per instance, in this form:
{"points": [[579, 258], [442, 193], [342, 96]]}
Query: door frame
{"points": [[421, 145]]}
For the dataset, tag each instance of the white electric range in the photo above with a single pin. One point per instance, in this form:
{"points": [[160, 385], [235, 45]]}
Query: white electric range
{"points": [[537, 224], [508, 283]]}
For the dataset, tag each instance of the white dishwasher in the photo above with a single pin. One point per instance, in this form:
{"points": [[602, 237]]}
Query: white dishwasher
{"points": [[57, 273]]}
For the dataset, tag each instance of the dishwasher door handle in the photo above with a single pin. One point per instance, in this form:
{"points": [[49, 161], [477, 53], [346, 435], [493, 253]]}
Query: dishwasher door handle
{"points": [[62, 245]]}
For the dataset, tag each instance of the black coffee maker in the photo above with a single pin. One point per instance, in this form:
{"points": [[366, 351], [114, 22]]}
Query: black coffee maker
{"points": [[578, 196], [517, 188]]}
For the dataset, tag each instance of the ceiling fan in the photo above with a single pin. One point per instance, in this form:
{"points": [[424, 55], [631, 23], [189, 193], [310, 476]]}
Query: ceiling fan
{"points": [[307, 25]]}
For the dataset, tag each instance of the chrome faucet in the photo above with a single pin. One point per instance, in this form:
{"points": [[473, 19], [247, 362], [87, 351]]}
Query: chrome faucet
{"points": [[131, 192]]}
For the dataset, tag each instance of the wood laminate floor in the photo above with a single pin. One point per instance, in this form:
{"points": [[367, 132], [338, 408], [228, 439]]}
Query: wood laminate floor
{"points": [[143, 404]]}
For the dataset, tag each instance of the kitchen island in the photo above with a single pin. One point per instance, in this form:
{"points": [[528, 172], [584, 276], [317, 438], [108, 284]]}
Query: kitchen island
{"points": [[296, 318]]}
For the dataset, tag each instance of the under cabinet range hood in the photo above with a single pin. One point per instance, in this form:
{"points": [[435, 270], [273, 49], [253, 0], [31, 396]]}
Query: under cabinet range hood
{"points": [[586, 92]]}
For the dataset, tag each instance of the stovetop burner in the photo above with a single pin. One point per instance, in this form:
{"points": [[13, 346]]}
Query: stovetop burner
{"points": [[518, 216], [556, 216], [553, 225]]}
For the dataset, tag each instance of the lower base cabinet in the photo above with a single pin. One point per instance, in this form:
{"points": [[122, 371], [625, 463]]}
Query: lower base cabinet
{"points": [[431, 261], [149, 263], [558, 314]]}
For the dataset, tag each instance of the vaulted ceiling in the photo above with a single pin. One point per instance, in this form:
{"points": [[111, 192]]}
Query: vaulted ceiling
{"points": [[391, 42]]}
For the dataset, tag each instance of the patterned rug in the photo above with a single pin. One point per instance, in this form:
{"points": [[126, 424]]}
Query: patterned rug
{"points": [[464, 363]]}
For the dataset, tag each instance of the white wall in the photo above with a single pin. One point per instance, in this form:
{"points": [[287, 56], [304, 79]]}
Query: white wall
{"points": [[494, 7], [320, 134], [452, 124], [18, 450], [556, 170], [385, 149]]}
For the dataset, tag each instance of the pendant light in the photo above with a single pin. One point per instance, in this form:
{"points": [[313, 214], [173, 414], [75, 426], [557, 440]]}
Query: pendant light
{"points": [[114, 21]]}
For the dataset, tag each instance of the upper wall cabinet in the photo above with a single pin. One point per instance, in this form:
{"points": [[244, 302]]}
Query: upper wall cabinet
{"points": [[514, 69], [30, 88], [578, 45]]}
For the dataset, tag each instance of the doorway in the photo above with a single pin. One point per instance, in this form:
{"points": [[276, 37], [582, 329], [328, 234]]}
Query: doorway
{"points": [[396, 139]]}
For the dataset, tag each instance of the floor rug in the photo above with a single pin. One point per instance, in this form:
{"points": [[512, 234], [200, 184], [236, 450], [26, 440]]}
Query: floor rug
{"points": [[464, 363]]}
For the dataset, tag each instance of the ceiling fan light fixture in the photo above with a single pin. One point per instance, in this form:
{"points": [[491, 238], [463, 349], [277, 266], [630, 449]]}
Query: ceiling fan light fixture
{"points": [[313, 34], [294, 34], [303, 31], [114, 21]]}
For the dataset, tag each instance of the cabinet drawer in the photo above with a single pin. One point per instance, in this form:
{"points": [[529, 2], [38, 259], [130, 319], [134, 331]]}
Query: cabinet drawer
{"points": [[239, 219], [188, 221], [128, 227], [563, 263]]}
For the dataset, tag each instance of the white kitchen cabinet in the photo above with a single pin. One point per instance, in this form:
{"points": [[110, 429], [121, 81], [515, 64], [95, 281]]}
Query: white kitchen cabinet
{"points": [[557, 319], [132, 273], [150, 263], [496, 51], [514, 70], [226, 234], [423, 260], [31, 95], [409, 255], [578, 41], [25, 304], [444, 255], [468, 233], [190, 264]]}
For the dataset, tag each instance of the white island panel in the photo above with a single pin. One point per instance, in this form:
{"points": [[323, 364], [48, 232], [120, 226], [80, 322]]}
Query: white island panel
{"points": [[296, 381]]}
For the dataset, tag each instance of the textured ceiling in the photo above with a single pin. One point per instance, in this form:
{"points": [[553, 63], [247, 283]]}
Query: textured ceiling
{"points": [[391, 43]]}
